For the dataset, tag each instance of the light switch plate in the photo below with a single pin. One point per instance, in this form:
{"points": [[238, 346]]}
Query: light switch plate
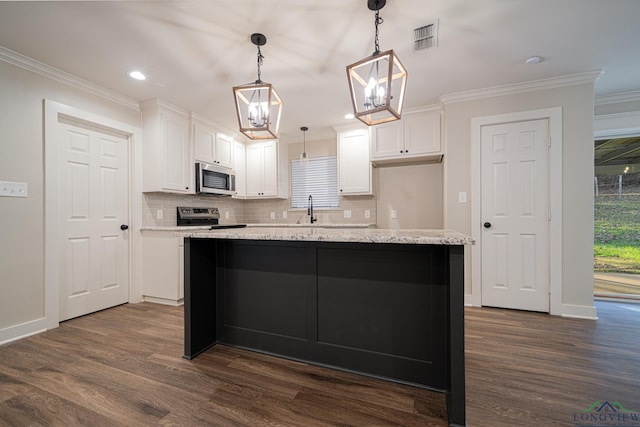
{"points": [[13, 189], [394, 214]]}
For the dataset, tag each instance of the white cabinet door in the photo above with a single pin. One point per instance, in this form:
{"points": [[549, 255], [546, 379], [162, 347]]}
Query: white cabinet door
{"points": [[162, 267], [176, 165], [354, 163], [263, 173], [210, 145], [239, 165], [224, 150], [254, 170], [204, 142], [416, 137], [387, 140], [421, 133], [270, 169], [166, 149]]}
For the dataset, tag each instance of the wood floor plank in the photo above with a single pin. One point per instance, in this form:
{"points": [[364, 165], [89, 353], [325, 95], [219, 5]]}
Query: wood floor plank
{"points": [[124, 366]]}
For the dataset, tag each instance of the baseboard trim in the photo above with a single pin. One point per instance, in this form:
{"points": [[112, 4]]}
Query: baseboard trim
{"points": [[23, 330], [579, 311], [163, 301]]}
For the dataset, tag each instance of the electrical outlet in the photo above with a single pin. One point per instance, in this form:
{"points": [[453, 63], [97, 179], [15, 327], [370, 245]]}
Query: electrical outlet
{"points": [[394, 214], [284, 214], [462, 197], [347, 213], [226, 215], [13, 189], [273, 215], [159, 214], [367, 213]]}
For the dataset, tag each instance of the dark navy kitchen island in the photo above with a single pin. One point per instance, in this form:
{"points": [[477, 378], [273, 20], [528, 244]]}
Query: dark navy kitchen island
{"points": [[377, 302]]}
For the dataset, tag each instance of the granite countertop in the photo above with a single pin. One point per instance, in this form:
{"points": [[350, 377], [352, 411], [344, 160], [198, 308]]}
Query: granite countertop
{"points": [[356, 235], [189, 228]]}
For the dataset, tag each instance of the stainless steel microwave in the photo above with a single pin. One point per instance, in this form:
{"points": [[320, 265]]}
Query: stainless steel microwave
{"points": [[215, 180]]}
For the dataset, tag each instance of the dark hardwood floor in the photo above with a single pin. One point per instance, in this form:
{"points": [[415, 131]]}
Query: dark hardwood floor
{"points": [[123, 366]]}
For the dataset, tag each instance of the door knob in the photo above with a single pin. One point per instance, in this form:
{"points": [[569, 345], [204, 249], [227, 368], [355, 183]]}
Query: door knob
{"points": [[487, 225], [124, 227]]}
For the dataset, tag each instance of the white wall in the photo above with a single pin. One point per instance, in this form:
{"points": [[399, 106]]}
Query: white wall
{"points": [[577, 176], [22, 219]]}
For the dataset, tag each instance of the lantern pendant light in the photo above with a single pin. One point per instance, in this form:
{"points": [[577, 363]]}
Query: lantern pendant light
{"points": [[258, 105], [377, 83]]}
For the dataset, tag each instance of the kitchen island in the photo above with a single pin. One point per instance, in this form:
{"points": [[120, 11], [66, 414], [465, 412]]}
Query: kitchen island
{"points": [[385, 303]]}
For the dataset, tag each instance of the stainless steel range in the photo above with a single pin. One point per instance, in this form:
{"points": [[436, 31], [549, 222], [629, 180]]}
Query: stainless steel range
{"points": [[202, 216]]}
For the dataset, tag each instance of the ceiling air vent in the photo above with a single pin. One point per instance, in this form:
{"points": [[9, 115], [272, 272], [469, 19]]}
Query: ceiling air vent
{"points": [[425, 37]]}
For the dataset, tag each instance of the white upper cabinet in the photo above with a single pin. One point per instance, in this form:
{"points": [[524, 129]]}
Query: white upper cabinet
{"points": [[239, 165], [354, 166], [167, 159], [415, 137], [267, 171], [210, 145]]}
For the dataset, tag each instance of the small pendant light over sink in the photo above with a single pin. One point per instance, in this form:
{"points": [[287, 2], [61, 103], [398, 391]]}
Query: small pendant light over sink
{"points": [[304, 157], [258, 104], [377, 83]]}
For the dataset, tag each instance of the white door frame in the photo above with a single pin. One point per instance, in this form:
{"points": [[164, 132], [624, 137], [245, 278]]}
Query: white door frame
{"points": [[554, 115], [52, 110]]}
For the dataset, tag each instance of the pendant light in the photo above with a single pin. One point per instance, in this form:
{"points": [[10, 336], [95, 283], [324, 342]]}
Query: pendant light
{"points": [[377, 83], [258, 105], [304, 157]]}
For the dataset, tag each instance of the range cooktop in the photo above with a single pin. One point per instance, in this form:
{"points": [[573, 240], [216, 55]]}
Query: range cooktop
{"points": [[191, 216]]}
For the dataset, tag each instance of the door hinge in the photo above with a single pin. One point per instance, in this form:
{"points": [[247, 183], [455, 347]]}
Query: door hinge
{"points": [[549, 142], [549, 215]]}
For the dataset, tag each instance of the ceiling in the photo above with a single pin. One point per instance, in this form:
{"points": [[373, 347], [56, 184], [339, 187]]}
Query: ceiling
{"points": [[194, 52]]}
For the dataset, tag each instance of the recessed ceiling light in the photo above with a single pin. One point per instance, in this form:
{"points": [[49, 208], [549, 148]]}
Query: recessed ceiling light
{"points": [[137, 75], [349, 116], [534, 59]]}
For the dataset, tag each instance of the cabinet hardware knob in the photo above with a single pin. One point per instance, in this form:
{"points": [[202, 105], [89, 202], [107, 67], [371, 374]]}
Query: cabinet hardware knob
{"points": [[487, 225], [124, 227]]}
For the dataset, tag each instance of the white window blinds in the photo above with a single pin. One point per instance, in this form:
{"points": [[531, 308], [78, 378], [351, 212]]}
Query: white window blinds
{"points": [[317, 177]]}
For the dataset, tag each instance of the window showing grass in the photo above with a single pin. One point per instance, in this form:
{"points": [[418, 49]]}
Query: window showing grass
{"points": [[617, 233]]}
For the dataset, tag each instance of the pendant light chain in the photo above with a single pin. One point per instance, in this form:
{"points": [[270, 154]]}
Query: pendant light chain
{"points": [[260, 58], [378, 21]]}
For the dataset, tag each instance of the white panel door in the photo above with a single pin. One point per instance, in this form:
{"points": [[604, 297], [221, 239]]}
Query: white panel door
{"points": [[515, 215], [93, 251]]}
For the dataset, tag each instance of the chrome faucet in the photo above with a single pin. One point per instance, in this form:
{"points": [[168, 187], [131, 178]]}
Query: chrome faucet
{"points": [[310, 209]]}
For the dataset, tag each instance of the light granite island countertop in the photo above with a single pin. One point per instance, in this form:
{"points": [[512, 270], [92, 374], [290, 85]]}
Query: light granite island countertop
{"points": [[346, 235]]}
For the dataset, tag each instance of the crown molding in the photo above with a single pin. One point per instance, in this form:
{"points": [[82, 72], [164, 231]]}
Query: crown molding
{"points": [[617, 98], [22, 61], [516, 88]]}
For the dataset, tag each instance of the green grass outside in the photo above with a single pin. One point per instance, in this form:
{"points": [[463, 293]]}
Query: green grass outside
{"points": [[617, 234]]}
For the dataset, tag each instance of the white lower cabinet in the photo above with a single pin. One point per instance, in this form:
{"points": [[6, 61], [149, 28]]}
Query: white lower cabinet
{"points": [[162, 267]]}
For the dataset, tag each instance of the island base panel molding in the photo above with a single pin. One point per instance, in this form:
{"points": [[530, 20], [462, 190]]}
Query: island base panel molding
{"points": [[386, 310]]}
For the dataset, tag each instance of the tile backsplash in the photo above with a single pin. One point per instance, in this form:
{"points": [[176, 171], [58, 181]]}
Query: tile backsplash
{"points": [[255, 211], [152, 202]]}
